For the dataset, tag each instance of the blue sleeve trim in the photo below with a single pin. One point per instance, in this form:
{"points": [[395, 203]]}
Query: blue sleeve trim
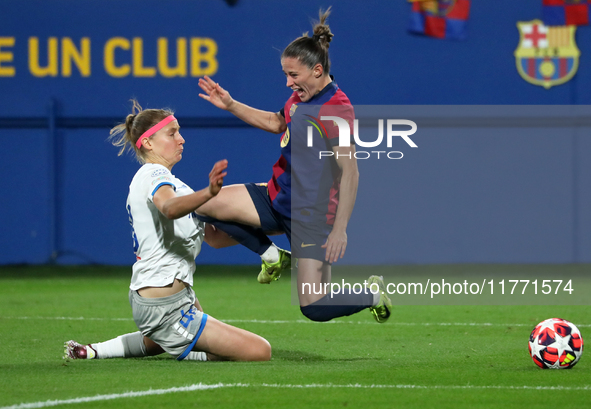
{"points": [[190, 347], [160, 185]]}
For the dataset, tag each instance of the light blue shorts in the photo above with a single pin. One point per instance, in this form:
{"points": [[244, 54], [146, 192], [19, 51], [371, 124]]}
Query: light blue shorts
{"points": [[172, 322]]}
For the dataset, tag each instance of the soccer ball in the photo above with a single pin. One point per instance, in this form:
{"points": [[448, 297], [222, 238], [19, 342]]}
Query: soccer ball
{"points": [[556, 344]]}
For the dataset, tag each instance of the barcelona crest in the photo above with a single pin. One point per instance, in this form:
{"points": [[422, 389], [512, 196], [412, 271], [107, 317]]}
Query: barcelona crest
{"points": [[546, 56]]}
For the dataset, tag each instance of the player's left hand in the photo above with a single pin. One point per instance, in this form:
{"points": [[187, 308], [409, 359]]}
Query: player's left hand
{"points": [[335, 245], [216, 176], [215, 94]]}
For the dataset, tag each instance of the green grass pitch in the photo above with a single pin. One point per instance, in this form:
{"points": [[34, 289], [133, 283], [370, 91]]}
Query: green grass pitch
{"points": [[451, 356]]}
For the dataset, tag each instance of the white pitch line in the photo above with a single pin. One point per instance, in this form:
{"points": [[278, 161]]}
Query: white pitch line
{"points": [[67, 318], [112, 396], [201, 387], [232, 321]]}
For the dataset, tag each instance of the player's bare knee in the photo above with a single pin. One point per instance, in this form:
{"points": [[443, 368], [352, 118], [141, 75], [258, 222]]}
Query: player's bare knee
{"points": [[262, 351], [266, 351]]}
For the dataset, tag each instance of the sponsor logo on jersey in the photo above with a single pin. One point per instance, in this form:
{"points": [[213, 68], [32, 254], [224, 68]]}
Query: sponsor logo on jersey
{"points": [[168, 179], [546, 56], [285, 138]]}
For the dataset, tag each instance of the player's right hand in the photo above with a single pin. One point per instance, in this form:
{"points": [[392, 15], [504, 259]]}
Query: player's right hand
{"points": [[215, 94], [216, 176]]}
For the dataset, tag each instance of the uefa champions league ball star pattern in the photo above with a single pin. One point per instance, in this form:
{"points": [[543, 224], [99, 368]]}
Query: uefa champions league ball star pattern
{"points": [[556, 344]]}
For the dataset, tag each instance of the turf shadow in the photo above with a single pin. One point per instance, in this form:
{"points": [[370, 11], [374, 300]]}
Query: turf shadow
{"points": [[298, 356], [291, 355]]}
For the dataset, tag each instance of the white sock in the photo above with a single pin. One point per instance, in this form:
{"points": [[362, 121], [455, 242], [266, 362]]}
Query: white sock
{"points": [[271, 255], [196, 356], [112, 348], [90, 353]]}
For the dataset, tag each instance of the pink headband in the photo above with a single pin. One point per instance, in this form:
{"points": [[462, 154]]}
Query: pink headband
{"points": [[155, 129]]}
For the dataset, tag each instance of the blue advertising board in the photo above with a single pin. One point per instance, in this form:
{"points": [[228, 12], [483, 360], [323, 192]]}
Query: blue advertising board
{"points": [[68, 70]]}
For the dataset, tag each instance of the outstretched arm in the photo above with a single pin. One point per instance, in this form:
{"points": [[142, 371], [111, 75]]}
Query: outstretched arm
{"points": [[268, 121], [175, 207]]}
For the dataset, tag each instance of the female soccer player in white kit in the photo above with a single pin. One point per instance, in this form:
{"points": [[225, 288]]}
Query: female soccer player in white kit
{"points": [[167, 239]]}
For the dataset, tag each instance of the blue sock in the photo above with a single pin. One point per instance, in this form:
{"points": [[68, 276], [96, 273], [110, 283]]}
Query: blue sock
{"points": [[341, 304], [250, 237]]}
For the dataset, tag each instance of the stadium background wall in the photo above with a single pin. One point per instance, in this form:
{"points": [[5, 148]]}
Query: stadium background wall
{"points": [[479, 194]]}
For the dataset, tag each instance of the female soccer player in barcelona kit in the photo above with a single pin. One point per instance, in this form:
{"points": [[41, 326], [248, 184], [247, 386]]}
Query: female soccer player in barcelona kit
{"points": [[309, 199], [167, 239]]}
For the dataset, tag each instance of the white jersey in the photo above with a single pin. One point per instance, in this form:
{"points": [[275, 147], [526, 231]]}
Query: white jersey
{"points": [[165, 249]]}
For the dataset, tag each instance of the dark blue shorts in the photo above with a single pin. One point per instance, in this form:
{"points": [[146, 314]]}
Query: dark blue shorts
{"points": [[305, 239]]}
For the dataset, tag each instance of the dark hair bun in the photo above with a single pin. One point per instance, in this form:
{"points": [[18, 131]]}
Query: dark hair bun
{"points": [[324, 37], [322, 32]]}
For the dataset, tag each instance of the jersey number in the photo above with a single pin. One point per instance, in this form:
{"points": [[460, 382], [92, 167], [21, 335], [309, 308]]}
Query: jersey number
{"points": [[135, 243]]}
